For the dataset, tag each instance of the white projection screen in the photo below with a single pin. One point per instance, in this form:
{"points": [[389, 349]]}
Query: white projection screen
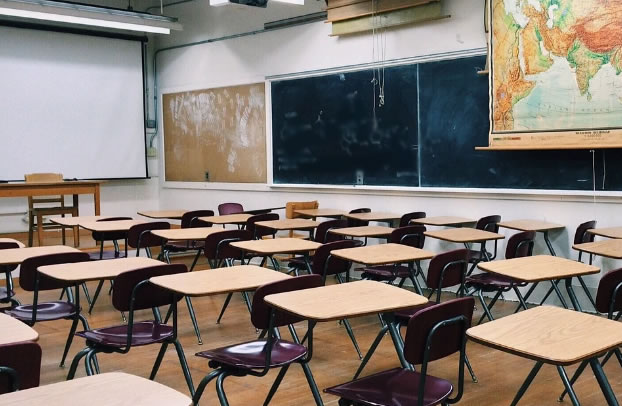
{"points": [[71, 104]]}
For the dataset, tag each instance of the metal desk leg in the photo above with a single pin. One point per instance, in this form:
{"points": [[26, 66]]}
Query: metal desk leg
{"points": [[568, 386], [389, 318], [307, 263], [571, 294], [559, 294], [548, 243], [603, 382], [527, 382], [413, 276]]}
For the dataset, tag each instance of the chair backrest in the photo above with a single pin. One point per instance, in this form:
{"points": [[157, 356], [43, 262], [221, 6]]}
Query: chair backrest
{"points": [[489, 223], [520, 245], [322, 234], [43, 178], [291, 207], [358, 223], [217, 244], [405, 219], [260, 315], [189, 219], [447, 269], [409, 235], [581, 235], [325, 264], [446, 340], [110, 235], [147, 295], [139, 235], [29, 269], [609, 295], [229, 208], [6, 246], [23, 360], [257, 231]]}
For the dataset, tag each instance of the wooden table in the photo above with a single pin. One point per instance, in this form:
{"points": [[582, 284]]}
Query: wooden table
{"points": [[269, 247], [290, 224], [467, 236], [606, 248], [75, 221], [186, 234], [239, 218], [609, 232], [15, 331], [315, 213], [347, 300], [374, 216], [109, 389], [15, 256], [21, 244], [551, 335], [447, 221], [79, 272], [74, 188], [534, 225], [540, 268], [363, 231], [106, 226], [163, 214], [384, 254]]}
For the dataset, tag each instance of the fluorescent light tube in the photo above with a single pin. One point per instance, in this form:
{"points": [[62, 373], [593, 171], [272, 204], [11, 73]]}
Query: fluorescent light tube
{"points": [[82, 20]]}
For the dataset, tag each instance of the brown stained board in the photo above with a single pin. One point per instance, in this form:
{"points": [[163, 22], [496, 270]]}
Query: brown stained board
{"points": [[383, 254], [607, 248], [538, 268], [96, 270], [218, 281], [464, 235], [15, 331], [530, 225], [109, 389], [364, 8], [277, 246], [610, 232], [550, 334], [221, 131], [18, 255], [363, 231], [345, 300]]}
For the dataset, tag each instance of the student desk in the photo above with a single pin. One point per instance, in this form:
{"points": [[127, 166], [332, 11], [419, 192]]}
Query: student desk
{"points": [[467, 236], [21, 244], [385, 254], [74, 188], [186, 234], [444, 221], [534, 225], [15, 331], [538, 268], [290, 224], [610, 232], [363, 231], [273, 246], [239, 219], [76, 221], [555, 336], [374, 216], [105, 226], [109, 389], [15, 256], [347, 300], [163, 214], [315, 213], [605, 248]]}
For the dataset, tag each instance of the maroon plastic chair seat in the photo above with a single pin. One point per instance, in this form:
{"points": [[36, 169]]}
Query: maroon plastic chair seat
{"points": [[45, 311], [493, 282], [251, 355], [384, 272], [143, 333], [182, 246], [387, 389]]}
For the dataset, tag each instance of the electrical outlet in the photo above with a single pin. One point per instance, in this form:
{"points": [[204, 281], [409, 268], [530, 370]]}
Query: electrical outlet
{"points": [[206, 176], [152, 152], [360, 178]]}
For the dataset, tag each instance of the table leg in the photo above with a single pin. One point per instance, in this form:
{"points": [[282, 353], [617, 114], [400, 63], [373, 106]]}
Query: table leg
{"points": [[603, 382], [96, 201], [389, 319], [305, 257], [571, 294], [548, 243], [413, 276], [527, 382], [568, 386]]}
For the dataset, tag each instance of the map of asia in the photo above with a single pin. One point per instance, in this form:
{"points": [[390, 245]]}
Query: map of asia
{"points": [[556, 73]]}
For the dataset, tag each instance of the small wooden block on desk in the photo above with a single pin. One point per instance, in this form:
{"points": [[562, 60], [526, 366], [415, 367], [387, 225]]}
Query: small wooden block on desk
{"points": [[109, 389], [530, 225], [363, 231], [373, 216], [289, 224], [239, 218], [75, 221], [605, 248], [187, 234], [18, 255], [277, 246], [443, 221], [550, 334], [21, 244], [239, 278], [104, 226], [538, 268], [464, 235], [15, 331], [383, 254], [320, 213], [163, 214], [610, 232], [96, 270], [344, 300]]}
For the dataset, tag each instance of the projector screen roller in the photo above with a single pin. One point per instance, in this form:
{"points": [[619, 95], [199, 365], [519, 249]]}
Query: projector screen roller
{"points": [[71, 104]]}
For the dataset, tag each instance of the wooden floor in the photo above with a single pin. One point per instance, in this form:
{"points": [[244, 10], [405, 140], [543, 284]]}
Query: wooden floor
{"points": [[334, 359]]}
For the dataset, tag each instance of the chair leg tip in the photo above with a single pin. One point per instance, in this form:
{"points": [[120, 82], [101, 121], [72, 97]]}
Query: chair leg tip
{"points": [[200, 342]]}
